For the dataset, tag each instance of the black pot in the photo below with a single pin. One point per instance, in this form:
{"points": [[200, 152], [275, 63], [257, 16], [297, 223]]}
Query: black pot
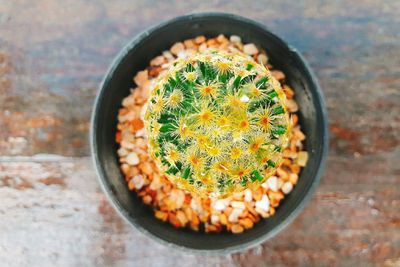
{"points": [[116, 84]]}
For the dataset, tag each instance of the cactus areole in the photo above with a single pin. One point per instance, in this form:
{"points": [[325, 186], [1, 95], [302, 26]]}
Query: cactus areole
{"points": [[217, 123]]}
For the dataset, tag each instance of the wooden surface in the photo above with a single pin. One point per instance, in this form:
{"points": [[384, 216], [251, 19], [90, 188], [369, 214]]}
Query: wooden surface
{"points": [[53, 55]]}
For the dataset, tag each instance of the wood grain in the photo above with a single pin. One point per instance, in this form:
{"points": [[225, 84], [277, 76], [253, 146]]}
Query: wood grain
{"points": [[53, 55]]}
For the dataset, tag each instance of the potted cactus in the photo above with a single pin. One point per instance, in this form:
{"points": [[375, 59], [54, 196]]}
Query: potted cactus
{"points": [[217, 123]]}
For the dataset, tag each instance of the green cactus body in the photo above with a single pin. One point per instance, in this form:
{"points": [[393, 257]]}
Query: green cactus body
{"points": [[217, 123]]}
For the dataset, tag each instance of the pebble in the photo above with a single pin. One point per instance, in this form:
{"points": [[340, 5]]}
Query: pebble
{"points": [[265, 185], [203, 47], [263, 204], [138, 181], [238, 205], [287, 188], [141, 77], [200, 39], [302, 158], [250, 49], [237, 229], [262, 59], [248, 196], [273, 183], [219, 205], [279, 75], [234, 216], [195, 205], [235, 39], [292, 105], [132, 159], [168, 55], [141, 133], [214, 219], [122, 152], [176, 48], [157, 61]]}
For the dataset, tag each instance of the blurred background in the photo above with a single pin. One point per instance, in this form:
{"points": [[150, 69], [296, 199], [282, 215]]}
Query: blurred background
{"points": [[53, 55]]}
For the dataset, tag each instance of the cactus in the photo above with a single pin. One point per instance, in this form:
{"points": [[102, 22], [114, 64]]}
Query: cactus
{"points": [[217, 123]]}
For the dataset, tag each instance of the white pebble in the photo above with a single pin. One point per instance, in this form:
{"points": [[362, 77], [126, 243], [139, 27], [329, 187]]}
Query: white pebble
{"points": [[132, 159], [196, 206], [138, 181], [219, 205], [122, 152], [234, 216], [273, 183], [141, 133], [235, 39], [250, 49], [265, 185], [127, 144], [214, 219], [245, 99], [287, 188], [248, 195], [263, 204], [238, 205]]}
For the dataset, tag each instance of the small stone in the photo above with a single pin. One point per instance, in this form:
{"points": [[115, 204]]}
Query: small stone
{"points": [[168, 55], [178, 197], [293, 178], [195, 205], [127, 144], [292, 105], [287, 188], [250, 49], [246, 223], [265, 185], [203, 47], [263, 204], [237, 229], [234, 216], [200, 39], [279, 75], [273, 183], [141, 77], [180, 215], [235, 39], [122, 152], [214, 219], [138, 181], [238, 205], [189, 43], [222, 39], [132, 159], [146, 168], [262, 59], [141, 133], [157, 61], [219, 205], [147, 199], [302, 158], [155, 183], [248, 196], [176, 48]]}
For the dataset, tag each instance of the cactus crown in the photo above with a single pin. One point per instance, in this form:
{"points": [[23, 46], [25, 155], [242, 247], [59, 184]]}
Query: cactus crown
{"points": [[217, 123]]}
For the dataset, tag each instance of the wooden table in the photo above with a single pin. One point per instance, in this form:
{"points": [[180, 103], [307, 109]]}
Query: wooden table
{"points": [[53, 55]]}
